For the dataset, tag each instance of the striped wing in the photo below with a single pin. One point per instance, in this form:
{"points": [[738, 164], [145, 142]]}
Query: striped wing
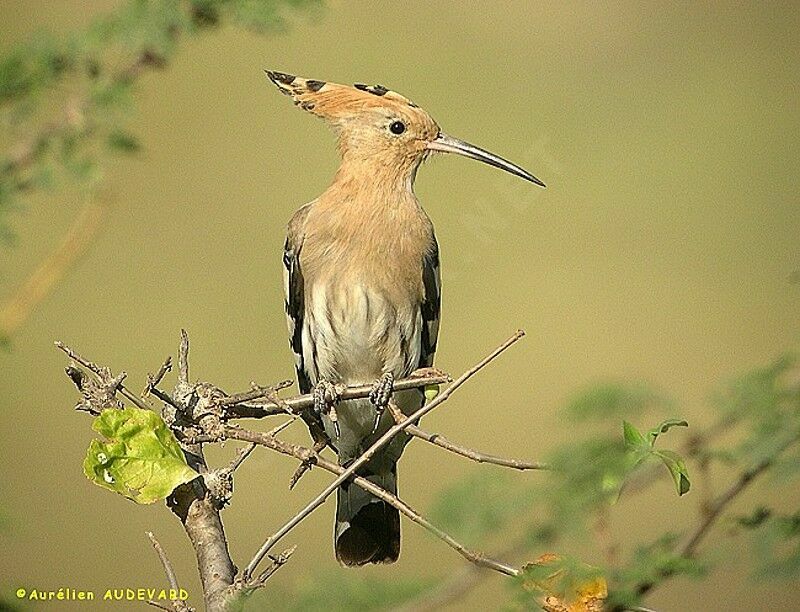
{"points": [[295, 307], [431, 306]]}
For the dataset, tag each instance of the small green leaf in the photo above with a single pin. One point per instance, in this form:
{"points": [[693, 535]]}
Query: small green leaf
{"points": [[633, 436], [664, 427], [431, 391], [123, 142], [677, 469], [142, 460], [755, 519]]}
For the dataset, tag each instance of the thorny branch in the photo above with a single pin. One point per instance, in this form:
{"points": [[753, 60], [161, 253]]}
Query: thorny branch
{"points": [[199, 413]]}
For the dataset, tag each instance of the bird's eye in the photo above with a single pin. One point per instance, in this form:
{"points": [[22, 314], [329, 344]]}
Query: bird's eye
{"points": [[398, 127]]}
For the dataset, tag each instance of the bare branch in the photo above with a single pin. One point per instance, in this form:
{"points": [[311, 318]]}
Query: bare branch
{"points": [[367, 455], [442, 442], [154, 380], [104, 374], [277, 563], [177, 605], [305, 466], [200, 518], [198, 509], [276, 430], [242, 454], [183, 359], [173, 581], [199, 512], [256, 392]]}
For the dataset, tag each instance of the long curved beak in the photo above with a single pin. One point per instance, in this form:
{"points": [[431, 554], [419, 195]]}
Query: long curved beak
{"points": [[448, 144]]}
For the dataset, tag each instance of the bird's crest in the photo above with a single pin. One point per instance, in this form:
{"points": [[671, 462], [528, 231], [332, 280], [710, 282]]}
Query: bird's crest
{"points": [[332, 100]]}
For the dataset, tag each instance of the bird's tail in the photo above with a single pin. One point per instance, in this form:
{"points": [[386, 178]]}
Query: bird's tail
{"points": [[367, 529]]}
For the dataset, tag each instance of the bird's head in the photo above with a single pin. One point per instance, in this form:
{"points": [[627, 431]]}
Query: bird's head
{"points": [[380, 127]]}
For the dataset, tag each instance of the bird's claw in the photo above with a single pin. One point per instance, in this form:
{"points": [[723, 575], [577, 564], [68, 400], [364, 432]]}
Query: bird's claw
{"points": [[380, 395], [326, 395]]}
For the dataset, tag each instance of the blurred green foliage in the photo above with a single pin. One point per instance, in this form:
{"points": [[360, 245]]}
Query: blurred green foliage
{"points": [[338, 592], [555, 511], [64, 101]]}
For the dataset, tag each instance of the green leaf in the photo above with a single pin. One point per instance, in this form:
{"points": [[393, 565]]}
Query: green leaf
{"points": [[632, 436], [141, 460], [431, 391], [755, 519], [123, 142], [677, 469], [664, 427]]}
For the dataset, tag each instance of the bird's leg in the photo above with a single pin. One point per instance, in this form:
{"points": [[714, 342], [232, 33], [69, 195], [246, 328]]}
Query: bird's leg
{"points": [[380, 395], [326, 395]]}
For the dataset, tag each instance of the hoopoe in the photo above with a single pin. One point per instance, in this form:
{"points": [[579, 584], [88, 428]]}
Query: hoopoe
{"points": [[363, 291]]}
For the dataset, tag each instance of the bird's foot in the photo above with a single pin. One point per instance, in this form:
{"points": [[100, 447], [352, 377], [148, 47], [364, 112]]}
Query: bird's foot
{"points": [[380, 395], [326, 396]]}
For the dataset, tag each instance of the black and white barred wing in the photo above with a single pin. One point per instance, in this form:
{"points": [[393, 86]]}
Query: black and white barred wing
{"points": [[431, 306]]}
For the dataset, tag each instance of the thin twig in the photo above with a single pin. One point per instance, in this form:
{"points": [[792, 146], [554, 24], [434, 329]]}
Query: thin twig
{"points": [[442, 442], [305, 466], [367, 455], [277, 563], [168, 570], [183, 359], [242, 454], [102, 374], [164, 397], [178, 605], [154, 380], [256, 392], [276, 430]]}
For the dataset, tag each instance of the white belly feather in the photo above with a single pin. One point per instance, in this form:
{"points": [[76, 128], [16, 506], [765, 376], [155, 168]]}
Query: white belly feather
{"points": [[353, 334]]}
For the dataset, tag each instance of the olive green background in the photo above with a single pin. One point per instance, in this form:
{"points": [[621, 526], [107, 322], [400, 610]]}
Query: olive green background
{"points": [[664, 249]]}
